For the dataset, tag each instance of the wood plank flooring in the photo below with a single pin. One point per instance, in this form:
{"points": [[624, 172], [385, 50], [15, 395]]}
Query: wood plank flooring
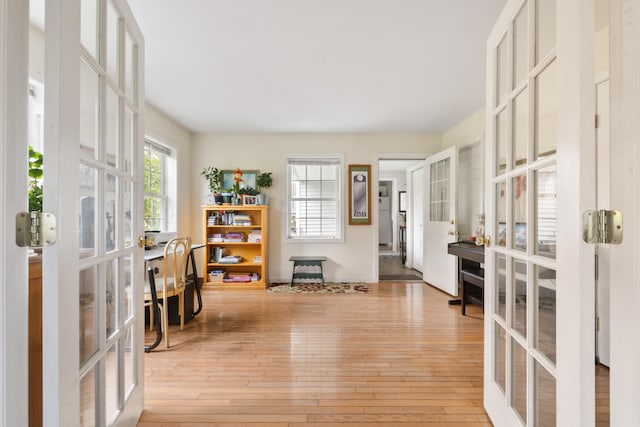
{"points": [[399, 356]]}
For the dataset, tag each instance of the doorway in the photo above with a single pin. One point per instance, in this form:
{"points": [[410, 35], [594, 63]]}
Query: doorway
{"points": [[393, 194]]}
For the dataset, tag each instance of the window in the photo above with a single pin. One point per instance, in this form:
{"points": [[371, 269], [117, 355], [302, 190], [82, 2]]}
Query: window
{"points": [[314, 198], [156, 185]]}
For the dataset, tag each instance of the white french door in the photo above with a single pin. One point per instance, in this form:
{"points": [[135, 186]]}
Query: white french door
{"points": [[440, 268], [539, 284], [94, 99]]}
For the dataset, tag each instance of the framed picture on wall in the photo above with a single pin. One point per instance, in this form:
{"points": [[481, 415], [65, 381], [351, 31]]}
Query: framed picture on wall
{"points": [[402, 201], [248, 179], [359, 194]]}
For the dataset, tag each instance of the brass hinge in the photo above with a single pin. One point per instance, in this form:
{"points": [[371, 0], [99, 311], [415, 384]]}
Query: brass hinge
{"points": [[35, 229], [602, 226], [597, 122]]}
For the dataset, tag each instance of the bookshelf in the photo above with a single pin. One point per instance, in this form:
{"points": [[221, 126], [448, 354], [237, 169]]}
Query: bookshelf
{"points": [[236, 253]]}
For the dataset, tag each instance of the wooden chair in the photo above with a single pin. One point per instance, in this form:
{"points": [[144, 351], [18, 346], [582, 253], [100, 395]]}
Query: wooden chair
{"points": [[171, 283]]}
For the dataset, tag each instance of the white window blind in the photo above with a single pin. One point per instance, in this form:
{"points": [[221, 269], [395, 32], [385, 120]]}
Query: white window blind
{"points": [[314, 198]]}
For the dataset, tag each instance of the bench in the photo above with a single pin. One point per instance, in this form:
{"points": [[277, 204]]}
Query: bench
{"points": [[307, 261]]}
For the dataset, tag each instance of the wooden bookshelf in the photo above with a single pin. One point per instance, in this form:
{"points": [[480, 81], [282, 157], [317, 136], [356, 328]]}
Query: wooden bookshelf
{"points": [[227, 231]]}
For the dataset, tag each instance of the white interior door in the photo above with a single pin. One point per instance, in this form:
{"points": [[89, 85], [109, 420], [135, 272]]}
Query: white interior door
{"points": [[625, 181], [415, 221], [603, 202], [440, 268], [14, 20], [94, 99]]}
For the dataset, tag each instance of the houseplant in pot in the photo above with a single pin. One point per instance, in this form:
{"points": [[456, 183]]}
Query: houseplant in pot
{"points": [[35, 180], [214, 182], [263, 180]]}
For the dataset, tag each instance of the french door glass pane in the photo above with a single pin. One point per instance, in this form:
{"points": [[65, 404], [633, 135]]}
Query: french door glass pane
{"points": [[519, 295], [545, 27], [545, 399], [111, 126], [87, 211], [545, 112], [545, 181], [129, 66], [519, 203], [88, 296], [112, 42], [519, 379], [111, 384], [127, 274], [111, 211], [501, 213], [89, 26], [501, 142], [111, 296], [89, 110], [520, 127], [500, 357], [129, 361], [545, 332], [521, 45], [502, 67], [127, 143], [88, 399], [128, 201], [501, 294]]}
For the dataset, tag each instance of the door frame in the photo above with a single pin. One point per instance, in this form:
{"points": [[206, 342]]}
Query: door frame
{"points": [[376, 176], [14, 332]]}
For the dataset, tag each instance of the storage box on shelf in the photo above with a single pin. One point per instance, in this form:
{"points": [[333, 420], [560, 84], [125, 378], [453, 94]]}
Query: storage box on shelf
{"points": [[236, 255]]}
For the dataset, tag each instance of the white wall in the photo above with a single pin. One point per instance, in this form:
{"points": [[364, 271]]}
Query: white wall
{"points": [[352, 260], [468, 131]]}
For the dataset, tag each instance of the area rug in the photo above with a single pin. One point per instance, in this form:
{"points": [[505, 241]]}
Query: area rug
{"points": [[319, 288]]}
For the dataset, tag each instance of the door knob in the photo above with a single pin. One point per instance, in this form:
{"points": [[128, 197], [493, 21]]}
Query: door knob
{"points": [[487, 240]]}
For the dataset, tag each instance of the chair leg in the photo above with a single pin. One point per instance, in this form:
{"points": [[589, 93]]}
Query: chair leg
{"points": [[165, 321], [181, 309]]}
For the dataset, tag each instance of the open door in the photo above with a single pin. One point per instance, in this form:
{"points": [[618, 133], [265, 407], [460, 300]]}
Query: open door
{"points": [[540, 153], [440, 268], [93, 120]]}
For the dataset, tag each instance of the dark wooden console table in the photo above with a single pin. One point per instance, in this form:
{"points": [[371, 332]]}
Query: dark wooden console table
{"points": [[470, 271]]}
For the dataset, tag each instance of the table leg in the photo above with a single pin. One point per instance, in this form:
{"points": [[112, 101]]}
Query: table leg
{"points": [[195, 282], [156, 311]]}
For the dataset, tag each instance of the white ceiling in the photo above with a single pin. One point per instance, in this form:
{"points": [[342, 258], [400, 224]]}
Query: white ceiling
{"points": [[316, 65]]}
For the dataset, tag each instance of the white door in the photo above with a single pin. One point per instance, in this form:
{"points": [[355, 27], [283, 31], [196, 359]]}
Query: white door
{"points": [[14, 399], [440, 268], [625, 181], [539, 296], [94, 100], [603, 251], [415, 221]]}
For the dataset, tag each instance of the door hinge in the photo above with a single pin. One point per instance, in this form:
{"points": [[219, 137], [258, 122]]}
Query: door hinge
{"points": [[597, 121], [35, 229], [602, 226]]}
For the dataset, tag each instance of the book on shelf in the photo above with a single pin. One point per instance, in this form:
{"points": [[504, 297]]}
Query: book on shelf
{"points": [[234, 236], [215, 237], [241, 219], [216, 253], [230, 259], [238, 276], [255, 236], [257, 259]]}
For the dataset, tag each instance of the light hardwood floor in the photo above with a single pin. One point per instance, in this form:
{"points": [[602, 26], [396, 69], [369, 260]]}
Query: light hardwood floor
{"points": [[399, 356]]}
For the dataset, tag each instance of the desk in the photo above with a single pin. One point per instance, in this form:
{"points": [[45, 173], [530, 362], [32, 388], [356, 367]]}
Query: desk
{"points": [[470, 271], [307, 261], [157, 254]]}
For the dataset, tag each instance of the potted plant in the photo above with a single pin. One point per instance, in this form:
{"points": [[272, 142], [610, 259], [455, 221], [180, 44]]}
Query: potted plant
{"points": [[237, 179], [263, 180], [214, 181], [35, 180]]}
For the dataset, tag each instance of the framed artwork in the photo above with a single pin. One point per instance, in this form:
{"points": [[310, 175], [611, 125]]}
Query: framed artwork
{"points": [[248, 200], [359, 194], [248, 179], [402, 201]]}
